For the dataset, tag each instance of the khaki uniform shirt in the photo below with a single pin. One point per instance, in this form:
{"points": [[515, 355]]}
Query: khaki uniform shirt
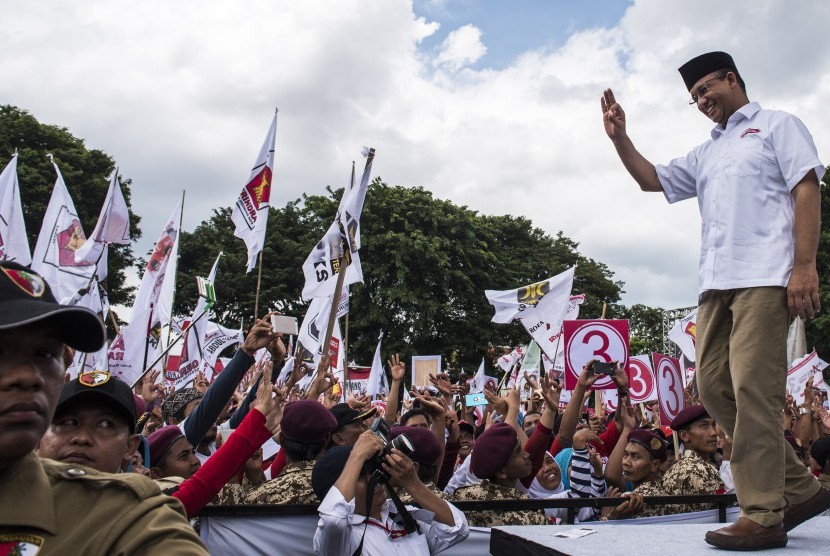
{"points": [[654, 488], [406, 498], [293, 486], [692, 474], [824, 479], [48, 507], [486, 518]]}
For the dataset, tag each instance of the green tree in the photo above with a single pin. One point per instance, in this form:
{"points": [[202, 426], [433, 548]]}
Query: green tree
{"points": [[426, 265], [86, 173], [645, 326]]}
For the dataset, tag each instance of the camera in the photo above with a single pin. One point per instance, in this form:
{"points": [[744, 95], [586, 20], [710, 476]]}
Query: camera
{"points": [[401, 443], [602, 368]]}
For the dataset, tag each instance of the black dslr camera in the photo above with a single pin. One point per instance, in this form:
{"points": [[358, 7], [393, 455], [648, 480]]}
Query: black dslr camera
{"points": [[401, 443]]}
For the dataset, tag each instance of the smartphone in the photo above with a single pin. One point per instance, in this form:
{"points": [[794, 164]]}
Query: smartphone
{"points": [[284, 324], [475, 399], [602, 368]]}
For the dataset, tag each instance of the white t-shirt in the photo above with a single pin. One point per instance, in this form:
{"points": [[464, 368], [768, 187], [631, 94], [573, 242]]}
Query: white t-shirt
{"points": [[743, 178]]}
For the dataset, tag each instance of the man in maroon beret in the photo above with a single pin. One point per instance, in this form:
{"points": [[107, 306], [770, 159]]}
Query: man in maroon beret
{"points": [[500, 461], [426, 457], [757, 185], [306, 429], [695, 471], [642, 453]]}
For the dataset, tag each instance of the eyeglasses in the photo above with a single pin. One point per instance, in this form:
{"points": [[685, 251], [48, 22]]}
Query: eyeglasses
{"points": [[704, 88]]}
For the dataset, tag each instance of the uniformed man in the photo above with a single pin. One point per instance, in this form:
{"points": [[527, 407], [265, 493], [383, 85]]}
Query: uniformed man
{"points": [[305, 431], [694, 472], [644, 452], [94, 424], [499, 459], [426, 457], [47, 507]]}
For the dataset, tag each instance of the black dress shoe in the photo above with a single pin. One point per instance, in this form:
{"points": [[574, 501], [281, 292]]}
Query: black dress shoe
{"points": [[745, 534], [797, 514]]}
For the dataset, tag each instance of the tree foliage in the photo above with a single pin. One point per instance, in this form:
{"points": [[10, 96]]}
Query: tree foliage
{"points": [[426, 264], [818, 330], [86, 173]]}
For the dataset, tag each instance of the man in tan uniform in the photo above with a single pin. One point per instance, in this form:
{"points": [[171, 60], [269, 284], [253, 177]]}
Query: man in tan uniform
{"points": [[305, 431], [48, 507]]}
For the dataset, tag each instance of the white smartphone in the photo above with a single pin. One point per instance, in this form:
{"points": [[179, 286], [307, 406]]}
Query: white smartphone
{"points": [[284, 324]]}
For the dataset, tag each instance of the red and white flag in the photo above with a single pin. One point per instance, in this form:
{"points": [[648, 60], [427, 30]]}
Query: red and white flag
{"points": [[113, 227], [377, 379], [14, 245], [140, 339], [802, 370], [683, 334], [250, 213], [61, 234], [478, 381]]}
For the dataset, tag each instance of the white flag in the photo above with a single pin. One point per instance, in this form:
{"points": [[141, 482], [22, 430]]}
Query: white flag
{"points": [[572, 314], [683, 334], [477, 382], [323, 263], [164, 305], [508, 360], [530, 365], [377, 378], [139, 341], [113, 227], [512, 304], [14, 245], [217, 338], [250, 214], [191, 359], [796, 341], [60, 236], [541, 308], [313, 328]]}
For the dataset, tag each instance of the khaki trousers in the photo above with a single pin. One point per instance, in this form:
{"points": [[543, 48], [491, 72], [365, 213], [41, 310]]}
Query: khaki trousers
{"points": [[741, 345]]}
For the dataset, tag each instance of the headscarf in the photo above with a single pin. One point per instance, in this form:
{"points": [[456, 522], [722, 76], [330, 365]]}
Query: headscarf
{"points": [[563, 458], [536, 489]]}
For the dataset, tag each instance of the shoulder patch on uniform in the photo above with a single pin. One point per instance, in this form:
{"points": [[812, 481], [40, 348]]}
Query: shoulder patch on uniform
{"points": [[22, 545], [139, 485]]}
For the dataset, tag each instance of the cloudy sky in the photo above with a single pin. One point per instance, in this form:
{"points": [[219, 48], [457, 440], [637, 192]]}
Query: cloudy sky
{"points": [[490, 104]]}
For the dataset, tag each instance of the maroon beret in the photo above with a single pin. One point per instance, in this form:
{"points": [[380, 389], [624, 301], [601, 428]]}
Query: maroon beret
{"points": [[688, 416], [161, 440], [492, 450], [651, 441], [307, 421], [427, 447]]}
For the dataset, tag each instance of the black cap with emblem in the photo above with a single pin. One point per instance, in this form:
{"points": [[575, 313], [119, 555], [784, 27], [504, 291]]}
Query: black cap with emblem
{"points": [[26, 298], [99, 387]]}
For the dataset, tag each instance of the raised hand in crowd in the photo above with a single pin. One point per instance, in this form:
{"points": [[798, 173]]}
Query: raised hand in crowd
{"points": [[151, 392], [323, 379], [259, 337], [397, 369], [583, 437], [200, 383], [724, 444], [331, 397], [587, 378], [596, 461], [496, 402], [360, 402], [277, 349], [270, 400]]}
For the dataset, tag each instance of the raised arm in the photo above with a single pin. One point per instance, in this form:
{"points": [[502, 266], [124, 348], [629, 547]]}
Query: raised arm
{"points": [[640, 169], [568, 426], [397, 368]]}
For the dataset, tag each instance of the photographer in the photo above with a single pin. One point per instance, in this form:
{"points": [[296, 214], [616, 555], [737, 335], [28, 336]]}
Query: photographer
{"points": [[341, 479]]}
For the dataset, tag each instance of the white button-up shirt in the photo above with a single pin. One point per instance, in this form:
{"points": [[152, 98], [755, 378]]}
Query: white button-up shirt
{"points": [[743, 178], [339, 530]]}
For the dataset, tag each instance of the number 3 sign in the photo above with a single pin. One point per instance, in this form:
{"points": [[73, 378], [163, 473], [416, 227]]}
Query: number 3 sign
{"points": [[603, 340], [669, 386]]}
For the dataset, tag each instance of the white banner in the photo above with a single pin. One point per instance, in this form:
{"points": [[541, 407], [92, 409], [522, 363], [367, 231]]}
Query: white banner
{"points": [[808, 366], [190, 361], [250, 213], [377, 379]]}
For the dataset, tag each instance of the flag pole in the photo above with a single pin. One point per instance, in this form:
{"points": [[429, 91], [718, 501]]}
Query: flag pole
{"points": [[346, 356], [258, 282]]}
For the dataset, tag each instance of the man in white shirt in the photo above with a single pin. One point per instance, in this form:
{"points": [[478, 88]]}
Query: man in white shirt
{"points": [[340, 480], [756, 182]]}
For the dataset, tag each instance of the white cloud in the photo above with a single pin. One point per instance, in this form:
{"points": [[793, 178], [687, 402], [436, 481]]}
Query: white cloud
{"points": [[181, 95], [462, 47]]}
